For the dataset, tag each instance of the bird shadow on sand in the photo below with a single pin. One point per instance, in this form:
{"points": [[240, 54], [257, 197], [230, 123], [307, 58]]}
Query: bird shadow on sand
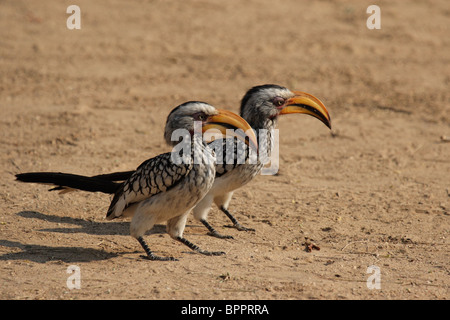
{"points": [[115, 227], [68, 254], [43, 254]]}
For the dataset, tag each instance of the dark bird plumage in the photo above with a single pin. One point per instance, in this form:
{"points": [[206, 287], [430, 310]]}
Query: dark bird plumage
{"points": [[101, 183]]}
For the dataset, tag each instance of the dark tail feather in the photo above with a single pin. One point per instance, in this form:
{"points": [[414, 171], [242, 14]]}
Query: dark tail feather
{"points": [[115, 176], [62, 180]]}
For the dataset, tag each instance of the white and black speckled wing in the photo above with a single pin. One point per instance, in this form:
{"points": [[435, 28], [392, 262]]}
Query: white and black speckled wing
{"points": [[152, 177], [230, 153]]}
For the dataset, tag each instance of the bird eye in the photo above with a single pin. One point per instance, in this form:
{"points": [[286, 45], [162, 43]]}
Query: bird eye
{"points": [[278, 101], [200, 117]]}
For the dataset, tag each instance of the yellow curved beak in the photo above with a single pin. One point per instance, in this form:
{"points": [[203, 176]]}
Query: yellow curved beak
{"points": [[228, 120], [306, 103]]}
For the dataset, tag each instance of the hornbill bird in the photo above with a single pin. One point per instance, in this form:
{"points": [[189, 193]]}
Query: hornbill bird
{"points": [[260, 107], [165, 188]]}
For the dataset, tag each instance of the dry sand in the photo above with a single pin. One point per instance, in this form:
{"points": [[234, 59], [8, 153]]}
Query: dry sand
{"points": [[373, 191]]}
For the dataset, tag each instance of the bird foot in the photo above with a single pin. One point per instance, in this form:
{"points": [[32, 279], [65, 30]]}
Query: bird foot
{"points": [[213, 232], [211, 253], [240, 227], [150, 255], [218, 235], [236, 223], [158, 258], [197, 249]]}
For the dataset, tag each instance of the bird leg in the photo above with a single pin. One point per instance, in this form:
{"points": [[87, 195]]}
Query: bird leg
{"points": [[150, 254], [236, 223], [197, 249], [213, 232]]}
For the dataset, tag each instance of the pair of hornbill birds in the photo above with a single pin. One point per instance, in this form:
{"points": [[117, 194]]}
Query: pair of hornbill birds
{"points": [[164, 190]]}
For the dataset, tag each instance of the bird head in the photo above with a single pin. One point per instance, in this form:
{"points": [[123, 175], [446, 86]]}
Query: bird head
{"points": [[195, 114], [263, 104]]}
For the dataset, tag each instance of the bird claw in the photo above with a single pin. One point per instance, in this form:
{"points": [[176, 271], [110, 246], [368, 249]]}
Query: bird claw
{"points": [[220, 236], [158, 258], [240, 227], [212, 253]]}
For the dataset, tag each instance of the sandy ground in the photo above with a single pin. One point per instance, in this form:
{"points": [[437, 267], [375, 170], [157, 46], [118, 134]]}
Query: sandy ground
{"points": [[373, 191]]}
